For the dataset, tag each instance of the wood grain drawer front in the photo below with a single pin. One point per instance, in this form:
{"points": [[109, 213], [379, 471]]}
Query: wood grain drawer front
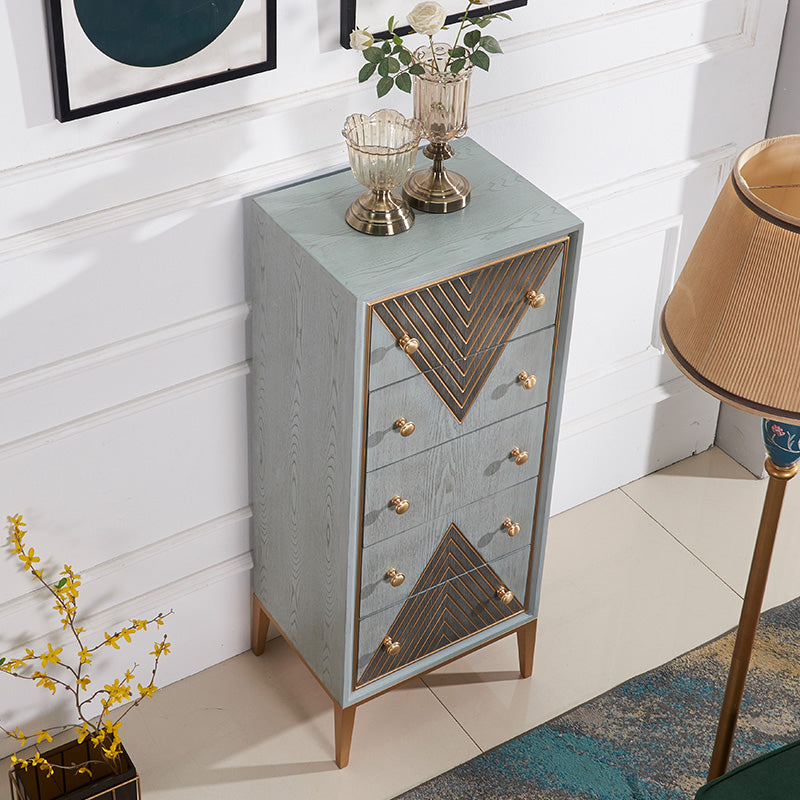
{"points": [[464, 315], [444, 614], [438, 481], [502, 395], [408, 553]]}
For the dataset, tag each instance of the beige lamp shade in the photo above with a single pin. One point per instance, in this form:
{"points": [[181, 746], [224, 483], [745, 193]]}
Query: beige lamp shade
{"points": [[732, 322]]}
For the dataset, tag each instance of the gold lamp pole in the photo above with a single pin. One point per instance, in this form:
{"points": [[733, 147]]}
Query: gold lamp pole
{"points": [[732, 325]]}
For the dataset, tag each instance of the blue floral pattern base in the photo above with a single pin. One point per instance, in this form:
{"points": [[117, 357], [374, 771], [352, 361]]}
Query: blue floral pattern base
{"points": [[782, 441]]}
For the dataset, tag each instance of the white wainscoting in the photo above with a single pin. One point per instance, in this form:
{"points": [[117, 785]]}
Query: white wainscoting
{"points": [[123, 368]]}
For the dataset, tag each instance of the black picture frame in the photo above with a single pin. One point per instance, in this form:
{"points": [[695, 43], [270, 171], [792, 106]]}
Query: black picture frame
{"points": [[66, 110], [348, 9]]}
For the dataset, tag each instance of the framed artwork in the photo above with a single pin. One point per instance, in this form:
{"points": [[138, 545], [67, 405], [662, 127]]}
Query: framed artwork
{"points": [[373, 14], [105, 54]]}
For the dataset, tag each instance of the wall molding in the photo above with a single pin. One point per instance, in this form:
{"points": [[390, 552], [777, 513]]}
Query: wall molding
{"points": [[121, 410], [134, 345], [162, 597], [327, 158], [195, 536]]}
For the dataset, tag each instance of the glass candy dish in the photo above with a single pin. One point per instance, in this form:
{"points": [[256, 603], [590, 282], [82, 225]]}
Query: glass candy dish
{"points": [[382, 149]]}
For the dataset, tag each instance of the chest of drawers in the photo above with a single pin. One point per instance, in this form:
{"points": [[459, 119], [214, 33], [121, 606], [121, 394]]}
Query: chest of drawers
{"points": [[405, 399]]}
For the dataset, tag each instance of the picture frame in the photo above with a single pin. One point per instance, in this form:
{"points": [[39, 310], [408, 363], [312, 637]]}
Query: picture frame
{"points": [[105, 56], [373, 14]]}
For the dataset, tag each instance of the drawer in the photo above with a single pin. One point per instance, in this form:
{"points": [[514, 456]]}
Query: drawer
{"points": [[483, 388], [437, 481], [465, 315], [444, 614], [480, 522]]}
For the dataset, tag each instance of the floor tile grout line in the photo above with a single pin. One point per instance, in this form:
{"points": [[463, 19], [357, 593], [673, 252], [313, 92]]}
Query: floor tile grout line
{"points": [[455, 719], [670, 533]]}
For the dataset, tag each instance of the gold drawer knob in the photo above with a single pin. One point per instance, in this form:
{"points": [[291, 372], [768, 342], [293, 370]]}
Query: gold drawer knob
{"points": [[505, 595], [520, 456], [527, 381], [393, 648], [512, 528], [395, 577], [405, 426], [400, 505], [408, 345], [536, 299]]}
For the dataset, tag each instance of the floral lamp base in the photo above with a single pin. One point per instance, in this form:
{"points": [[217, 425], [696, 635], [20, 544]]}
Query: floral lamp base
{"points": [[437, 190]]}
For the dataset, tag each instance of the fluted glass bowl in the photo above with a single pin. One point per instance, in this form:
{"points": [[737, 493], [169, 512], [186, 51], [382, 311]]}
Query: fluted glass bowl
{"points": [[382, 148]]}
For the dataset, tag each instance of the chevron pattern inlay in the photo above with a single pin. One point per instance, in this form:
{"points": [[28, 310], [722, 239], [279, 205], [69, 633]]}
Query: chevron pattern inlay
{"points": [[453, 598], [462, 324]]}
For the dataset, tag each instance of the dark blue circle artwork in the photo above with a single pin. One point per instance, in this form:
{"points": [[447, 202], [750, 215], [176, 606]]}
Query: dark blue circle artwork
{"points": [[152, 33]]}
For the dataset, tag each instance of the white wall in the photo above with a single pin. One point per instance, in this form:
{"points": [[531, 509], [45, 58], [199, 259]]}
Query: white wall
{"points": [[123, 365]]}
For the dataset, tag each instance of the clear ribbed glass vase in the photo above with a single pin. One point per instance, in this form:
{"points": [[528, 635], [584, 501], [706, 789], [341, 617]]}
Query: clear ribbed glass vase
{"points": [[441, 102], [382, 148]]}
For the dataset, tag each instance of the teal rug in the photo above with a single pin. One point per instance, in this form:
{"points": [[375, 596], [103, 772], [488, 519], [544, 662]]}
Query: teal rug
{"points": [[649, 738]]}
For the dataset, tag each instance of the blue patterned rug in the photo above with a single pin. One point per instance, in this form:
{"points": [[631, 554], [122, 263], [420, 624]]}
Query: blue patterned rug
{"points": [[649, 738]]}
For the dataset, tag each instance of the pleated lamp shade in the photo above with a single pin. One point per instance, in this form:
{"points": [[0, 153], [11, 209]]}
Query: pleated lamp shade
{"points": [[732, 322]]}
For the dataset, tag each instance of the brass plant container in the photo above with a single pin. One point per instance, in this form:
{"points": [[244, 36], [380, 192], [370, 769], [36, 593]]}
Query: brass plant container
{"points": [[382, 148], [441, 100]]}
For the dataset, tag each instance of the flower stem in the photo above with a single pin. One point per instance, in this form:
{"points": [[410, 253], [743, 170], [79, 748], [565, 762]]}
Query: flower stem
{"points": [[433, 55], [458, 36]]}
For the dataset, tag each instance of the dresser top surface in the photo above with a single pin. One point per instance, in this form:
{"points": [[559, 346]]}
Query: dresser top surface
{"points": [[506, 214]]}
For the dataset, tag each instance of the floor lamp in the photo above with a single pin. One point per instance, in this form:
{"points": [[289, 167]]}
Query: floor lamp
{"points": [[732, 325]]}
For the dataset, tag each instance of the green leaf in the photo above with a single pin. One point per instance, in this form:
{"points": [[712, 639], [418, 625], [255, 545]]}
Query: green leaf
{"points": [[394, 64], [390, 26], [404, 57], [504, 16], [458, 52], [397, 40], [384, 85], [61, 584], [387, 48], [482, 22], [480, 59], [373, 54], [416, 69], [490, 44], [403, 81], [2, 661], [366, 72], [472, 38], [458, 65]]}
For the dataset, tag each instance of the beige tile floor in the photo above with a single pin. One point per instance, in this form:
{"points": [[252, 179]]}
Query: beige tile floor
{"points": [[631, 579]]}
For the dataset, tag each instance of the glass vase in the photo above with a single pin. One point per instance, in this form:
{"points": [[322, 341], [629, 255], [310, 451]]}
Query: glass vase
{"points": [[382, 148], [441, 100]]}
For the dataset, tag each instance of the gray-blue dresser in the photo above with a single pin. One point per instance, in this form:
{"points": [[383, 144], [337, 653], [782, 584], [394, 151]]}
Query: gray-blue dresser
{"points": [[404, 410]]}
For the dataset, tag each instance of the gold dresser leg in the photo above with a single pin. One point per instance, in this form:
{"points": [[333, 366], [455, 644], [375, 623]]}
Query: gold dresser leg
{"points": [[343, 720], [259, 627], [526, 641]]}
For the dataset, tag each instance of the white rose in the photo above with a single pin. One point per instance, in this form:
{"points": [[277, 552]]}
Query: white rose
{"points": [[361, 39], [427, 18]]}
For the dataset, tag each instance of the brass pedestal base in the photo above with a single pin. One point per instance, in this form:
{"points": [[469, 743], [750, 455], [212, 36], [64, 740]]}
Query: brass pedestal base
{"points": [[436, 190], [379, 213]]}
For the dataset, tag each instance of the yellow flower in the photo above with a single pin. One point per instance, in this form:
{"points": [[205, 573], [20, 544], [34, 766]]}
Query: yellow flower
{"points": [[29, 560], [147, 691], [86, 770], [112, 640], [83, 682], [41, 736], [19, 736], [139, 624], [125, 633], [86, 656], [129, 676], [51, 656], [83, 732]]}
